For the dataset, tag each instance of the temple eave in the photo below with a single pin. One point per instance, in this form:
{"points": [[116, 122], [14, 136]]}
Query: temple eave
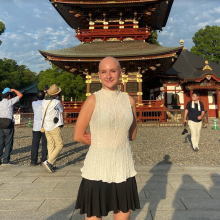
{"points": [[102, 2]]}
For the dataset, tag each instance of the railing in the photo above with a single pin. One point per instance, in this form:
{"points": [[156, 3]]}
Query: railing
{"points": [[89, 35], [153, 117], [168, 116], [150, 104], [112, 31], [72, 106]]}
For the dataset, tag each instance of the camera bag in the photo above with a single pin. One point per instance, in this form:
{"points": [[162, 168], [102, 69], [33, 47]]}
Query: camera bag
{"points": [[5, 123]]}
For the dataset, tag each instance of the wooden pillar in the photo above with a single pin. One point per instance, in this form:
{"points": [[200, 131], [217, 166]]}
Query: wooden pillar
{"points": [[191, 92], [218, 102], [124, 79], [165, 94], [88, 82], [140, 93]]}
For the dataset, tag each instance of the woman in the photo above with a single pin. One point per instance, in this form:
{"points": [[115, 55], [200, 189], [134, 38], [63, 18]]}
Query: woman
{"points": [[108, 173]]}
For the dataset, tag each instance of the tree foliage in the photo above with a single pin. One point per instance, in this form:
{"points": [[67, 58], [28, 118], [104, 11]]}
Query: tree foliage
{"points": [[72, 85], [152, 39], [207, 43], [15, 76], [2, 29]]}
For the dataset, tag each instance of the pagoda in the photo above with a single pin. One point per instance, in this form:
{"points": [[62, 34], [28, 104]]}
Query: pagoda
{"points": [[120, 29]]}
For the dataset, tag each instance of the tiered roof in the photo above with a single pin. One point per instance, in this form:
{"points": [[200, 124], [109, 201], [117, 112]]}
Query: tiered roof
{"points": [[152, 13]]}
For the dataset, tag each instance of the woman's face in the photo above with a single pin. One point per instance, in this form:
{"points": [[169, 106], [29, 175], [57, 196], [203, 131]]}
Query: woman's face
{"points": [[109, 73]]}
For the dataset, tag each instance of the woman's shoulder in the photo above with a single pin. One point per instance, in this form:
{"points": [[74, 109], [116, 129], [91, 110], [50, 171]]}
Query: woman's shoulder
{"points": [[90, 100]]}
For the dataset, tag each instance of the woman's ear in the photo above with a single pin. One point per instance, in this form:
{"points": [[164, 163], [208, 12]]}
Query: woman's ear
{"points": [[121, 72]]}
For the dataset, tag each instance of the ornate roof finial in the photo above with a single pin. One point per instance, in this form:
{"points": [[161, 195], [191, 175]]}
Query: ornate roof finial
{"points": [[207, 67], [182, 44]]}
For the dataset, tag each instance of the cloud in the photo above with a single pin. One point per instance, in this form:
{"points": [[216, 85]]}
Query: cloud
{"points": [[186, 18], [33, 27]]}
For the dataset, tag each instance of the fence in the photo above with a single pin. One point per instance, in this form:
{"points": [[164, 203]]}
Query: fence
{"points": [[152, 117], [164, 117]]}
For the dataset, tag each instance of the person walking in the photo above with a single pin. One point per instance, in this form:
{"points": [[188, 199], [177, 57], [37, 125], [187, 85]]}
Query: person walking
{"points": [[7, 133], [37, 134], [195, 111], [52, 122], [108, 173]]}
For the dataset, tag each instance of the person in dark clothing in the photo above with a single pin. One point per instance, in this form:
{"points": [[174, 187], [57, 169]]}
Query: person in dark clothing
{"points": [[6, 111], [37, 134], [195, 111]]}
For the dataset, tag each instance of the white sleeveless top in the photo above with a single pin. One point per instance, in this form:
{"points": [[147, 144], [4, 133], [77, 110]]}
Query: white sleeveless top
{"points": [[109, 158]]}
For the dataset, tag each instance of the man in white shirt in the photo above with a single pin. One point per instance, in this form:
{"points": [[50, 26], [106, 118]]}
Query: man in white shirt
{"points": [[37, 134], [7, 134], [52, 109]]}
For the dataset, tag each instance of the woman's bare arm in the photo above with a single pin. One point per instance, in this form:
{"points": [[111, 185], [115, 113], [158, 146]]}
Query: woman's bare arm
{"points": [[133, 128], [83, 120]]}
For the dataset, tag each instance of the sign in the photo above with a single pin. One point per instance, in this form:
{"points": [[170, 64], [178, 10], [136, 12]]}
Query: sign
{"points": [[17, 118]]}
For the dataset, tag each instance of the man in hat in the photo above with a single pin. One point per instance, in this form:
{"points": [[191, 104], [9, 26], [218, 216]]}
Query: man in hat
{"points": [[51, 122], [6, 111]]}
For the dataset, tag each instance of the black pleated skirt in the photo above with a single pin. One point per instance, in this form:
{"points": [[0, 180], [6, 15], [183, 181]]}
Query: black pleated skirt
{"points": [[97, 198]]}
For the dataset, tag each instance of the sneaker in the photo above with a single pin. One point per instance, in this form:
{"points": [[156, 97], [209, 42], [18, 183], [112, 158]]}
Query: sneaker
{"points": [[48, 166], [55, 168], [196, 149]]}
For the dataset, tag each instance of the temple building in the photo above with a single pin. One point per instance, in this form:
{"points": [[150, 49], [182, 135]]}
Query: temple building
{"points": [[121, 29], [189, 73], [115, 28]]}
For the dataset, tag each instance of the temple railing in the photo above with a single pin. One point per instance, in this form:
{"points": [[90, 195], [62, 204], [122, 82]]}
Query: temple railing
{"points": [[88, 35], [149, 112]]}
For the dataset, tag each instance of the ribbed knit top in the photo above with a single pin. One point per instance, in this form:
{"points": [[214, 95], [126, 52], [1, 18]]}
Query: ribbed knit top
{"points": [[109, 158]]}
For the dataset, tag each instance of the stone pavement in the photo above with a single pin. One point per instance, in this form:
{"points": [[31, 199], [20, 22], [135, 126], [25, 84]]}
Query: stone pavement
{"points": [[167, 192]]}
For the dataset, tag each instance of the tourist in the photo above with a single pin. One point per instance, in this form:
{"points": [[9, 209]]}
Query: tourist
{"points": [[108, 173], [7, 122], [52, 122], [195, 111], [37, 134]]}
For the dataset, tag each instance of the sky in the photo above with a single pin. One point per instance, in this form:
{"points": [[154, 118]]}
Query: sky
{"points": [[33, 25]]}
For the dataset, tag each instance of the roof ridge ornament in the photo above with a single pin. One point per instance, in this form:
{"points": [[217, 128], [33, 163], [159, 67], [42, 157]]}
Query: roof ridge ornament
{"points": [[207, 67], [182, 44]]}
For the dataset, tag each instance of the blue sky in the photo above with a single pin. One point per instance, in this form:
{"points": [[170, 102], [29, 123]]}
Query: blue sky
{"points": [[34, 24]]}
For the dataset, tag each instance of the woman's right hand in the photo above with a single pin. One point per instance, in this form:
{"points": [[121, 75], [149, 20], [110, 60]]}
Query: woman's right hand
{"points": [[87, 135]]}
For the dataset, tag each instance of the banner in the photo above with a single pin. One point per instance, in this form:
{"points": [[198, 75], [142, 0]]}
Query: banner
{"points": [[17, 118]]}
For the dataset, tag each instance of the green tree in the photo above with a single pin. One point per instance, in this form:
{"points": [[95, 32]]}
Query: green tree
{"points": [[2, 29], [152, 39], [72, 85], [207, 43], [15, 76]]}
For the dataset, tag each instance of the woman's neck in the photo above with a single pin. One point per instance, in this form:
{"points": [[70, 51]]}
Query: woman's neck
{"points": [[110, 89]]}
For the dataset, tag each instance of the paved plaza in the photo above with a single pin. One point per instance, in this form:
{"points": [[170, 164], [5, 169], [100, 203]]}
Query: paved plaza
{"points": [[167, 192]]}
